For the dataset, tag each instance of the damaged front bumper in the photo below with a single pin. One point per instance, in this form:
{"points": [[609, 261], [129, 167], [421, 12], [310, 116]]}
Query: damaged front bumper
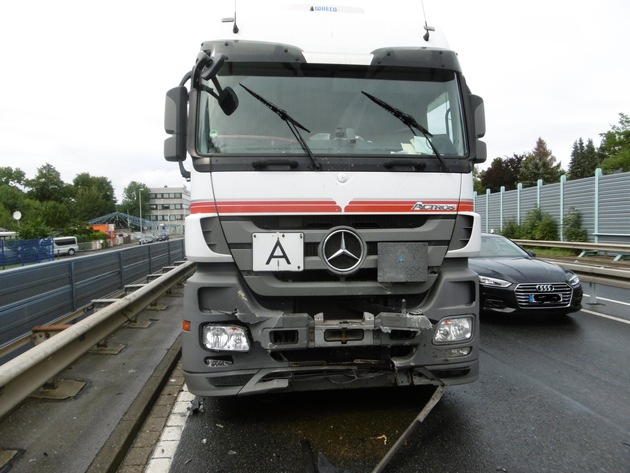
{"points": [[296, 352]]}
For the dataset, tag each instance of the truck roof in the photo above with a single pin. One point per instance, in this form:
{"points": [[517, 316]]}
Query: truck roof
{"points": [[344, 31]]}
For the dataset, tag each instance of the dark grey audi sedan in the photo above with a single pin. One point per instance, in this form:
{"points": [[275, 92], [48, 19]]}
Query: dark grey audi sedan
{"points": [[512, 281]]}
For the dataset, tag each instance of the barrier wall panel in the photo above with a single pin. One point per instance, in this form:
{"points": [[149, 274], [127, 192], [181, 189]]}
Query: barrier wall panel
{"points": [[41, 293], [602, 200]]}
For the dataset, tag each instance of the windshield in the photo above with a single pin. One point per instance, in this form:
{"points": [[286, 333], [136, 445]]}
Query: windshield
{"points": [[500, 247], [331, 104]]}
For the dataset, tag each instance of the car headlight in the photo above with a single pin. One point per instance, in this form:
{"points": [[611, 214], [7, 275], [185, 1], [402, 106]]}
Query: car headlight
{"points": [[225, 338], [454, 330], [493, 282], [574, 281]]}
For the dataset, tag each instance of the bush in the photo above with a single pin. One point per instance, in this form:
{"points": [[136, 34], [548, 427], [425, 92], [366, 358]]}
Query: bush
{"points": [[572, 227], [539, 225], [98, 235], [512, 230]]}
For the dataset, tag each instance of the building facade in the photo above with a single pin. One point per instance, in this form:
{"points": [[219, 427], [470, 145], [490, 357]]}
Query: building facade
{"points": [[168, 207]]}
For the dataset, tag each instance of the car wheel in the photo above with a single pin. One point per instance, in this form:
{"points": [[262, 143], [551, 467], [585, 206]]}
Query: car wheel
{"points": [[71, 252]]}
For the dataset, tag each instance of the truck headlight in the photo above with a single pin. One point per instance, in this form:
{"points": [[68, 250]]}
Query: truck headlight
{"points": [[225, 338], [454, 330]]}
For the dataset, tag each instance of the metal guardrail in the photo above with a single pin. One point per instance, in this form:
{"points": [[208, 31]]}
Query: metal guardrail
{"points": [[26, 373], [46, 293], [607, 275], [604, 248]]}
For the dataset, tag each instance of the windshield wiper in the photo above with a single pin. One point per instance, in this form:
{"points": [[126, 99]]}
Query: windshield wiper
{"points": [[292, 123], [410, 122]]}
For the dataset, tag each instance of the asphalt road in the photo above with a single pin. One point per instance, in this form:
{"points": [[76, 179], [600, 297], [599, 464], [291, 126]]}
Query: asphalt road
{"points": [[53, 436], [553, 396]]}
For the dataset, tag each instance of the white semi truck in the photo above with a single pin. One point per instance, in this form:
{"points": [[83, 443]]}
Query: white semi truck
{"points": [[332, 150]]}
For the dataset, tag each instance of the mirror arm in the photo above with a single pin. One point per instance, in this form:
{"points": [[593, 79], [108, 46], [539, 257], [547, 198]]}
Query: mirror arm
{"points": [[183, 171]]}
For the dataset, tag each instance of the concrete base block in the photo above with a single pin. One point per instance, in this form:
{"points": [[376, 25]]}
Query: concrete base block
{"points": [[66, 388]]}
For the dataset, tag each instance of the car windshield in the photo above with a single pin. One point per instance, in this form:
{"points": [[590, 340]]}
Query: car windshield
{"points": [[332, 107], [500, 247]]}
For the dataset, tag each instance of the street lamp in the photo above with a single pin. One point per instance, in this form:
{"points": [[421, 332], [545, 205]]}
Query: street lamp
{"points": [[139, 206]]}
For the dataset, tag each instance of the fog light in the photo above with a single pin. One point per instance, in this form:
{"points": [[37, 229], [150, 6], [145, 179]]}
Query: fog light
{"points": [[457, 352], [225, 337], [453, 330]]}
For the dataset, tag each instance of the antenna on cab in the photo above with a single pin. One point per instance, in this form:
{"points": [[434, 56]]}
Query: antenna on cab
{"points": [[427, 28]]}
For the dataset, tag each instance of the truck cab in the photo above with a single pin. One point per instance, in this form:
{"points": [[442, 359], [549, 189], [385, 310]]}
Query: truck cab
{"points": [[331, 203]]}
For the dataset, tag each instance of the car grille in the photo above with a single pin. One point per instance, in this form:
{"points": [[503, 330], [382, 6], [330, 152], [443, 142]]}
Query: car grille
{"points": [[543, 295]]}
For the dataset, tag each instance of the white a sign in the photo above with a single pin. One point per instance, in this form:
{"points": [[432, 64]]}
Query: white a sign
{"points": [[278, 251]]}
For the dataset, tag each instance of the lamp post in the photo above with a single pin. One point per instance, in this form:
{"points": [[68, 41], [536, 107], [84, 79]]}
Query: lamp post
{"points": [[139, 207]]}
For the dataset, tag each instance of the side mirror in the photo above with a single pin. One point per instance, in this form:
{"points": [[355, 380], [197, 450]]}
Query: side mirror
{"points": [[479, 111], [175, 118], [481, 152]]}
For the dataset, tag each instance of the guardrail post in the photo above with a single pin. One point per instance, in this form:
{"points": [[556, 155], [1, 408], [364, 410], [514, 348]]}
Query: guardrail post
{"points": [[54, 388], [598, 175], [103, 346], [592, 294]]}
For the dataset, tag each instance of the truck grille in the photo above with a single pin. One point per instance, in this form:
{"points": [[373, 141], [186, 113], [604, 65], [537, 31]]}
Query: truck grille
{"points": [[543, 295]]}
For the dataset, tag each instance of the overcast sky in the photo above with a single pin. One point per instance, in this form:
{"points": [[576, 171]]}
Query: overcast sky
{"points": [[83, 82]]}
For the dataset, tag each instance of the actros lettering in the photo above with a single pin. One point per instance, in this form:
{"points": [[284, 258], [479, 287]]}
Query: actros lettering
{"points": [[422, 206]]}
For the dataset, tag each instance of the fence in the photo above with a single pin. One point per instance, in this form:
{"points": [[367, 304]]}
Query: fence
{"points": [[38, 294], [21, 252], [602, 201]]}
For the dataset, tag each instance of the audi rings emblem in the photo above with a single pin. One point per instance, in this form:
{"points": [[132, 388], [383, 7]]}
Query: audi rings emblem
{"points": [[342, 251], [544, 287]]}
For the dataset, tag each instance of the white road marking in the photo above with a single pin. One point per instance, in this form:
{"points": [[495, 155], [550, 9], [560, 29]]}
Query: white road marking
{"points": [[164, 452], [616, 319]]}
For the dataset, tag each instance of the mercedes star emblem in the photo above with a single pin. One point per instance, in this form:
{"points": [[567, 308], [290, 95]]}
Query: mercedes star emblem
{"points": [[343, 250]]}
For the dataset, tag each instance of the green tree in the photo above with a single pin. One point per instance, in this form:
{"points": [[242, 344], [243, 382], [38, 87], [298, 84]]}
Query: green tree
{"points": [[133, 195], [11, 198], [584, 160], [540, 164], [93, 196], [55, 215], [616, 146], [47, 185], [11, 177], [477, 186], [36, 228], [6, 219], [502, 172]]}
